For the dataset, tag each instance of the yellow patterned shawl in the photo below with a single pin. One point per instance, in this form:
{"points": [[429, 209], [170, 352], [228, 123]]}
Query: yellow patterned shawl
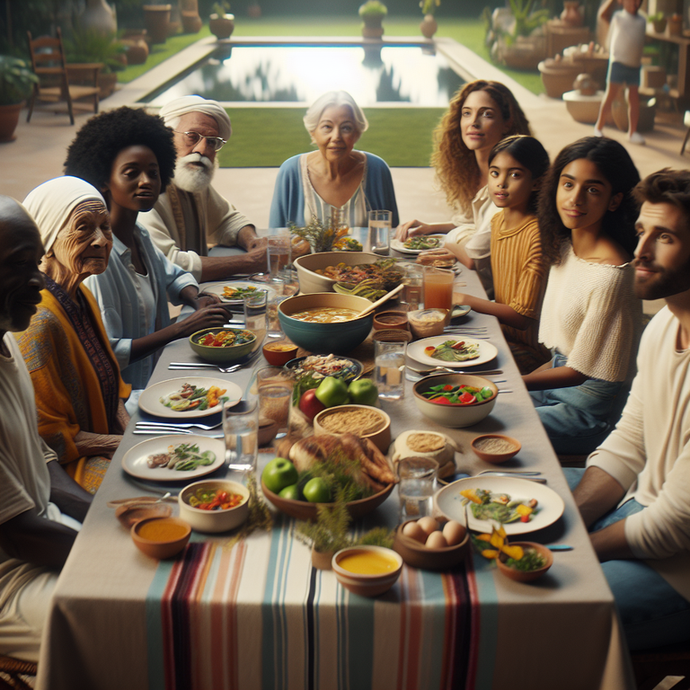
{"points": [[67, 389]]}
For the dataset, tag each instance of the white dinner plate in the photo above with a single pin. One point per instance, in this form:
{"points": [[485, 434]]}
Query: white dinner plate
{"points": [[400, 246], [550, 504], [487, 351], [217, 289], [149, 400], [135, 461]]}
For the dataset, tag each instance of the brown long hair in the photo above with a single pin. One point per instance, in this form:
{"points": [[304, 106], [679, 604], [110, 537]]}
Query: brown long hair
{"points": [[456, 166]]}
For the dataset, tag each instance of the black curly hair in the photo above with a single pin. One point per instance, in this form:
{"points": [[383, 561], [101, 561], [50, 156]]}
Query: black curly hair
{"points": [[93, 151], [617, 167]]}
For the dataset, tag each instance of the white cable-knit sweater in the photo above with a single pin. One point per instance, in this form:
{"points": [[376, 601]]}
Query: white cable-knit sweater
{"points": [[648, 453], [591, 315]]}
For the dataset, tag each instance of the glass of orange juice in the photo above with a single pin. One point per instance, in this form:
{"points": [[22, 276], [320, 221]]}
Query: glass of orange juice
{"points": [[438, 288]]}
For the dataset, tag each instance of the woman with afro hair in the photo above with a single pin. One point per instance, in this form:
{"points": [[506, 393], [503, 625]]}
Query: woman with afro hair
{"points": [[129, 156]]}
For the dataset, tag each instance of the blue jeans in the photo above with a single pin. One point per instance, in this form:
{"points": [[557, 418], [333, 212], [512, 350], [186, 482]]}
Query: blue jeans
{"points": [[578, 418], [653, 614]]}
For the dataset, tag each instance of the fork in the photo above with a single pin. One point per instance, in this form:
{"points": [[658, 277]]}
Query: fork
{"points": [[492, 372], [171, 432], [181, 366], [186, 425]]}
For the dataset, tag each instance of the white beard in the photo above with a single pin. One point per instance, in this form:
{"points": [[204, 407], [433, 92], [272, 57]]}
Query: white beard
{"points": [[190, 177]]}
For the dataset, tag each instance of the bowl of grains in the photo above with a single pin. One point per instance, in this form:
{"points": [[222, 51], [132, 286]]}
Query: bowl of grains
{"points": [[362, 420], [495, 448]]}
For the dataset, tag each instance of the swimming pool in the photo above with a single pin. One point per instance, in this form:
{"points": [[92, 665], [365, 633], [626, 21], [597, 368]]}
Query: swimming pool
{"points": [[377, 74]]}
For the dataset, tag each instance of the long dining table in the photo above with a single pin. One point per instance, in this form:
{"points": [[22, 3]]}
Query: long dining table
{"points": [[255, 614]]}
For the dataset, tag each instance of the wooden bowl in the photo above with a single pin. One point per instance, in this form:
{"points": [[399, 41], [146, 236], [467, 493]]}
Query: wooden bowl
{"points": [[496, 457], [521, 575], [279, 352], [134, 512], [390, 319], [303, 510], [214, 520], [419, 556], [161, 548], [381, 438], [362, 584]]}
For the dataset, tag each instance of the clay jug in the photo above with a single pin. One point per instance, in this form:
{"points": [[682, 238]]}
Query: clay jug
{"points": [[571, 13]]}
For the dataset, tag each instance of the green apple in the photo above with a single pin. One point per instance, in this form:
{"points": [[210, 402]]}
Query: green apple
{"points": [[278, 474], [363, 392], [332, 392], [316, 491], [292, 492]]}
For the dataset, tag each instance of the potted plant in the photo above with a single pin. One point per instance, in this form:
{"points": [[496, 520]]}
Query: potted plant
{"points": [[89, 46], [429, 26], [221, 23], [658, 21], [16, 83], [372, 14]]}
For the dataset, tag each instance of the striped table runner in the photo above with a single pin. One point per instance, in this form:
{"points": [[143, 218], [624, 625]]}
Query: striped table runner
{"points": [[257, 615]]}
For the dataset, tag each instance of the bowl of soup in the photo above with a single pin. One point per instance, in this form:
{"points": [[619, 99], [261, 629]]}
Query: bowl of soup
{"points": [[222, 345], [311, 268], [161, 537], [367, 570], [325, 322]]}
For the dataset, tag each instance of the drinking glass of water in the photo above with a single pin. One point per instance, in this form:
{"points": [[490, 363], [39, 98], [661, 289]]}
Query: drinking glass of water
{"points": [[380, 232], [278, 251], [416, 487], [241, 430], [390, 368]]}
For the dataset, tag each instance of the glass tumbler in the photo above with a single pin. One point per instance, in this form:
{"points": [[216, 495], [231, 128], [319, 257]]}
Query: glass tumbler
{"points": [[380, 232], [416, 487], [241, 430], [390, 368]]}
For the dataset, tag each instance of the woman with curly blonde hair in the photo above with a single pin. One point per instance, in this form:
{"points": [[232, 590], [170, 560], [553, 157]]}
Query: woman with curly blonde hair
{"points": [[480, 114]]}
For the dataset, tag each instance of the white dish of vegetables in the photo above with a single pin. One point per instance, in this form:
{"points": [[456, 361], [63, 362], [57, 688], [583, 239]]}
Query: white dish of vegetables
{"points": [[189, 456], [549, 505], [172, 398], [233, 292], [481, 351]]}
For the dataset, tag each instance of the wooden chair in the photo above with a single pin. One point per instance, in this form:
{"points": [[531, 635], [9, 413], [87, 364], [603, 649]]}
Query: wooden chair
{"points": [[652, 666], [11, 672], [48, 61]]}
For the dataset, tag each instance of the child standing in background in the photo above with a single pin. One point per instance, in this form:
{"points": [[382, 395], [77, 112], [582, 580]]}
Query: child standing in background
{"points": [[626, 40], [516, 167]]}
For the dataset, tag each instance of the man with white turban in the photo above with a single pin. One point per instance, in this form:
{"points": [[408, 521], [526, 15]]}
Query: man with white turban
{"points": [[191, 214]]}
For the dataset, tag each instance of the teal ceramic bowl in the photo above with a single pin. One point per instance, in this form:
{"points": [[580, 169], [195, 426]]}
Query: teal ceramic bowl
{"points": [[221, 355], [320, 338]]}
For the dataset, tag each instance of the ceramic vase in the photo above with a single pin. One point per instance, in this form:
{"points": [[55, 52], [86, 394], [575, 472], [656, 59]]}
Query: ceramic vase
{"points": [[156, 18], [429, 26], [571, 13], [98, 15]]}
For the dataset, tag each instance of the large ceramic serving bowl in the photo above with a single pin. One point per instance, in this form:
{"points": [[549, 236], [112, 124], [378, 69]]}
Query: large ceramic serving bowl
{"points": [[310, 281], [321, 338], [214, 520], [455, 415], [220, 355], [303, 510], [364, 584]]}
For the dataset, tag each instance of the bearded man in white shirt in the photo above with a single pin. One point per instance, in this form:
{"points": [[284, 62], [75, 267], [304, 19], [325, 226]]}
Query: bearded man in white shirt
{"points": [[191, 214], [634, 495]]}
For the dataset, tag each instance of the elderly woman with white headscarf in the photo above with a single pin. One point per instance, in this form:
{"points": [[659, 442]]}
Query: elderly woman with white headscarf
{"points": [[334, 179], [77, 383]]}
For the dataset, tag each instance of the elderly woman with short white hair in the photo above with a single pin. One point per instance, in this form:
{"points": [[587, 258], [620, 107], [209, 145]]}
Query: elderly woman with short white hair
{"points": [[335, 176]]}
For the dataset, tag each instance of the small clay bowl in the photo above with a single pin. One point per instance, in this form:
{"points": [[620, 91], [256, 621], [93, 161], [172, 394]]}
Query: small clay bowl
{"points": [[161, 547], [279, 352], [396, 320], [420, 556], [268, 428], [367, 585], [132, 513], [482, 447], [381, 438], [425, 323], [525, 575]]}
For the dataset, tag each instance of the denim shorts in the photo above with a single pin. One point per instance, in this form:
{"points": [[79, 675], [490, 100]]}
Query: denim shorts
{"points": [[622, 74]]}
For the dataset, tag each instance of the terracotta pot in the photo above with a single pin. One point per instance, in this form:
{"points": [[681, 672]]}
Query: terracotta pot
{"points": [[9, 117], [372, 27], [137, 47], [675, 25], [321, 560], [429, 26], [106, 84], [571, 13], [660, 25], [222, 27], [557, 77], [191, 22], [157, 18]]}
